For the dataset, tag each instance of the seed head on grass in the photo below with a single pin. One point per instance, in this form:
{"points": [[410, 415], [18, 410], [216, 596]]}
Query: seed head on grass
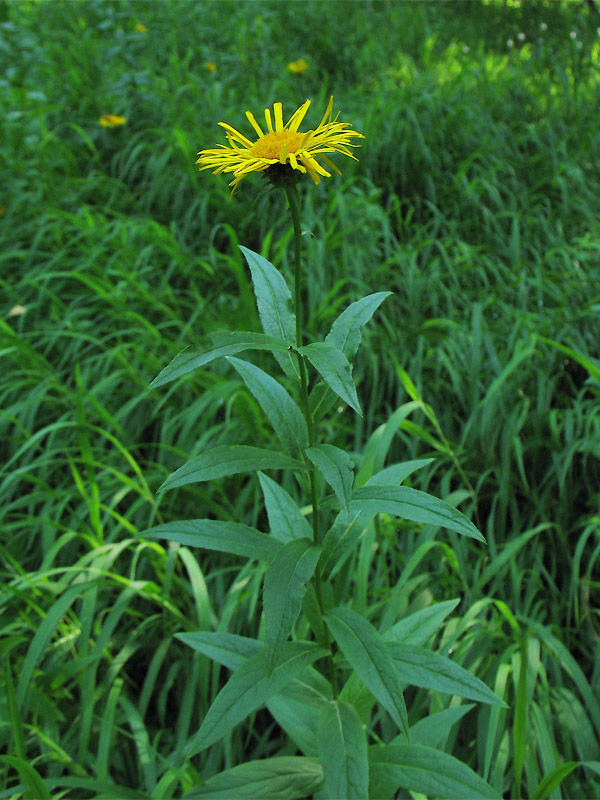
{"points": [[283, 151]]}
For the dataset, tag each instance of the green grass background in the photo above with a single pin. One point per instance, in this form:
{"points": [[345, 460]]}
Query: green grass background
{"points": [[475, 199]]}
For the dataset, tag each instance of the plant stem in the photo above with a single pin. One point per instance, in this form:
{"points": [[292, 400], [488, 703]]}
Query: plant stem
{"points": [[294, 203]]}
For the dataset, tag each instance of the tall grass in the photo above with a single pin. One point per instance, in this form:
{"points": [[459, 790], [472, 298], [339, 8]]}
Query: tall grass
{"points": [[475, 198]]}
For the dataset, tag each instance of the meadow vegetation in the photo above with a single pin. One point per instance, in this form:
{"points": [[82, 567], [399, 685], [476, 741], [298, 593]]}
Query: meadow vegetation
{"points": [[475, 200]]}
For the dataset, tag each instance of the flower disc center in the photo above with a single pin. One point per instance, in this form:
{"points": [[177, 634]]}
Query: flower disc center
{"points": [[269, 145]]}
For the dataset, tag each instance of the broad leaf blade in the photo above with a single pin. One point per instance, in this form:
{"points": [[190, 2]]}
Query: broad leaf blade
{"points": [[281, 411], [226, 343], [418, 628], [228, 460], [212, 534], [414, 505], [284, 587], [396, 473], [277, 778], [335, 369], [297, 706], [228, 649], [274, 303], [423, 769], [343, 752], [416, 666], [367, 653], [336, 467], [285, 518], [345, 333], [249, 688]]}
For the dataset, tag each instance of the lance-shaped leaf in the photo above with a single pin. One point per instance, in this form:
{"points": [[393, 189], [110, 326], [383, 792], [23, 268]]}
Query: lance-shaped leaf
{"points": [[434, 773], [297, 706], [274, 303], [249, 688], [396, 473], [340, 540], [367, 654], [225, 343], [214, 534], [284, 587], [228, 460], [345, 333], [418, 628], [414, 505], [228, 649], [281, 411], [285, 518], [276, 778], [343, 752], [419, 667], [335, 369], [336, 467]]}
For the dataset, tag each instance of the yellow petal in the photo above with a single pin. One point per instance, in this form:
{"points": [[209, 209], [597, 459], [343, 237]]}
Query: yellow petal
{"points": [[278, 117], [254, 123]]}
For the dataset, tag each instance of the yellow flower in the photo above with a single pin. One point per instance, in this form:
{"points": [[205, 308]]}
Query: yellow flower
{"points": [[283, 149], [210, 66], [298, 66], [141, 28], [3, 210], [111, 120]]}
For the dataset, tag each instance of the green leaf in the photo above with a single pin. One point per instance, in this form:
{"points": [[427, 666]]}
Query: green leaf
{"points": [[432, 772], [249, 688], [228, 649], [433, 729], [274, 303], [284, 588], [345, 333], [416, 666], [414, 505], [285, 518], [335, 370], [229, 343], [281, 411], [297, 706], [396, 473], [228, 460], [276, 778], [343, 752], [341, 539], [367, 653], [30, 777], [336, 467], [212, 534], [418, 628], [553, 779]]}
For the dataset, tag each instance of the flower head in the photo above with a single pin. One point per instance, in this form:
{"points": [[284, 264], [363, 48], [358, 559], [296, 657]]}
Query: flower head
{"points": [[112, 120], [210, 66], [283, 151], [141, 28], [298, 66]]}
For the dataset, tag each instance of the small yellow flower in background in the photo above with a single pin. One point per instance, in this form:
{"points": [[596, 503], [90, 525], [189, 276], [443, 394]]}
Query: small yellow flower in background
{"points": [[112, 120], [283, 150], [16, 311], [298, 66], [210, 66], [3, 210], [141, 28]]}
